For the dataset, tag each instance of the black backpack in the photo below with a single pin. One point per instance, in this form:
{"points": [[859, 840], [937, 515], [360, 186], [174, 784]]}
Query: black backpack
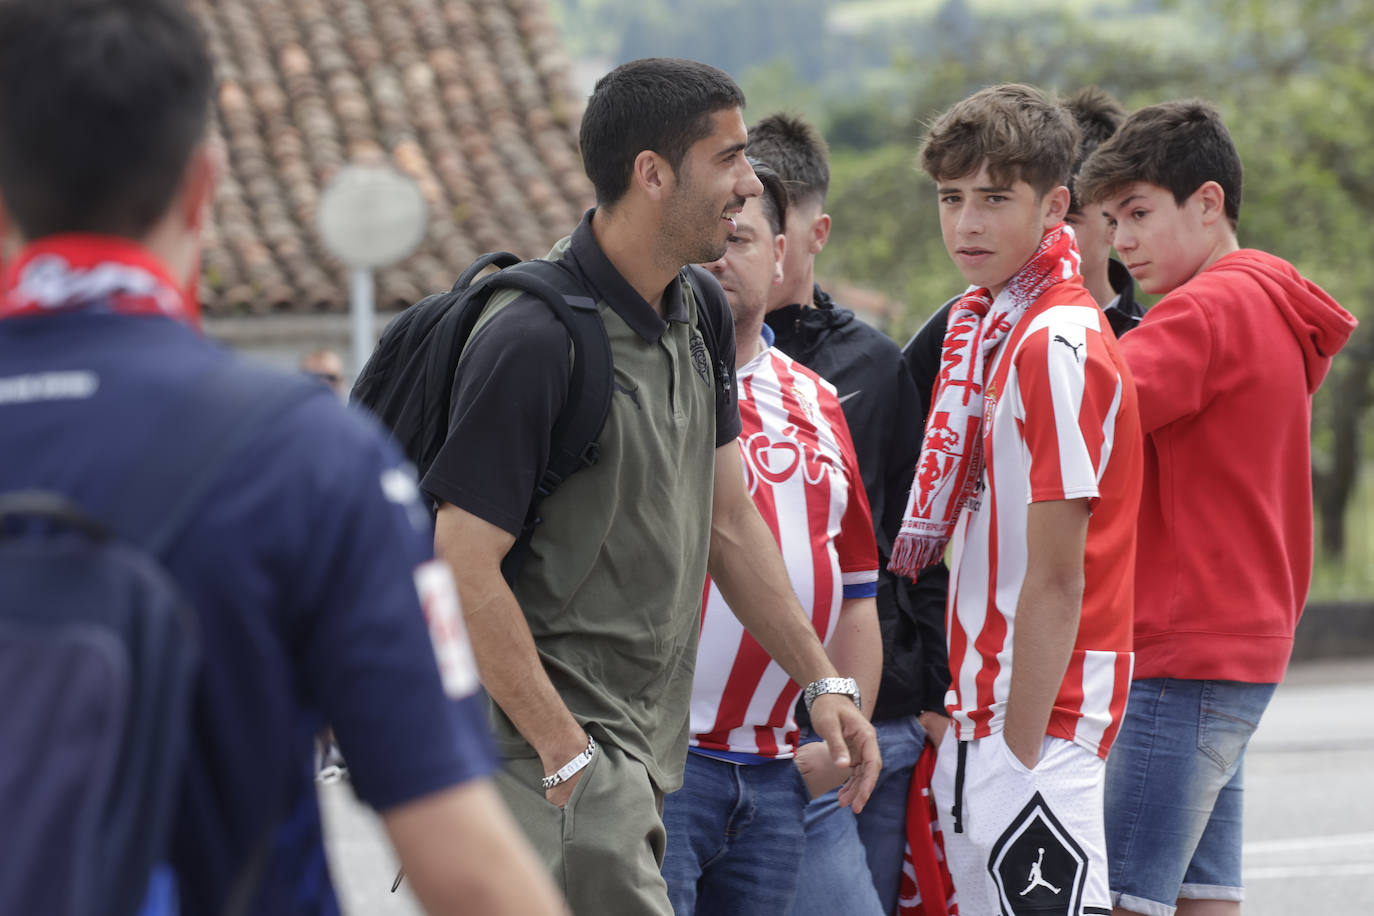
{"points": [[407, 383], [98, 659]]}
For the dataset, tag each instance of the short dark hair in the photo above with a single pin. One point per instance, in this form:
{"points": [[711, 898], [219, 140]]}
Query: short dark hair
{"points": [[799, 153], [101, 104], [662, 104], [1098, 116], [1015, 129], [774, 195], [1178, 146]]}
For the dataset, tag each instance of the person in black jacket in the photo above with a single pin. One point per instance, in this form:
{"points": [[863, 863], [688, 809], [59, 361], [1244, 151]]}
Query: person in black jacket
{"points": [[853, 861]]}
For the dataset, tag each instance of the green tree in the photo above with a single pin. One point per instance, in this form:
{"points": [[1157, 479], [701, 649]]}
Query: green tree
{"points": [[1302, 115]]}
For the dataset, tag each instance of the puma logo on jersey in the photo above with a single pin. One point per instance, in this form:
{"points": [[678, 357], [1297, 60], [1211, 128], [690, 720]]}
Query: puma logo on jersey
{"points": [[631, 393], [1060, 338]]}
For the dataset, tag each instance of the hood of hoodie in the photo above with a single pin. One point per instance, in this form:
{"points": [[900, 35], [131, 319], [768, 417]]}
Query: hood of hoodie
{"points": [[1319, 324]]}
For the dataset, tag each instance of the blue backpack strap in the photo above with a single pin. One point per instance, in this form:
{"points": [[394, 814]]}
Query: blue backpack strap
{"points": [[223, 412]]}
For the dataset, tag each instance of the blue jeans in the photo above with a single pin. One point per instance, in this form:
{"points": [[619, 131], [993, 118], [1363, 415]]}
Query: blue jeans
{"points": [[853, 863], [735, 838], [1174, 791]]}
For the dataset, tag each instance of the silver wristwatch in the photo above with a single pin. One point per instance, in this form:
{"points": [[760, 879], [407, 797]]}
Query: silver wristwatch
{"points": [[845, 685]]}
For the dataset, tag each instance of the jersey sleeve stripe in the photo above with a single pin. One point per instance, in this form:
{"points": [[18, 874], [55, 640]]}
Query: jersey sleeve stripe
{"points": [[859, 577], [1067, 383], [1121, 690]]}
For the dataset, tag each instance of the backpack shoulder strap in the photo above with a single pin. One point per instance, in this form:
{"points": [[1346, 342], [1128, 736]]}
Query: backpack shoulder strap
{"points": [[223, 412], [697, 278], [573, 441], [573, 444], [498, 259]]}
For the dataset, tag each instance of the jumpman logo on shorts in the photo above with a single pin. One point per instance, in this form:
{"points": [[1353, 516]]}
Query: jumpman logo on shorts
{"points": [[1037, 879]]}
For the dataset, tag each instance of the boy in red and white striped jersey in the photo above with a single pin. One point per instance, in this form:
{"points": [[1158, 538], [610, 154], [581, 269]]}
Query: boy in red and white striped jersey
{"points": [[735, 829], [1031, 470]]}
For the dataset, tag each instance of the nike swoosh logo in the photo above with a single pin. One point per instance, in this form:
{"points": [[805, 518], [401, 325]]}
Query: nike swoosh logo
{"points": [[845, 397]]}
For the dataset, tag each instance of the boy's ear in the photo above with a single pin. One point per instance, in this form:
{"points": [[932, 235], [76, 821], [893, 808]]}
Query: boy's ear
{"points": [[652, 173], [820, 233], [1056, 206], [1212, 199], [779, 249]]}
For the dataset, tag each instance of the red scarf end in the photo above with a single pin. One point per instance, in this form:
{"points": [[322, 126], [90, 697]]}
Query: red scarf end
{"points": [[912, 553]]}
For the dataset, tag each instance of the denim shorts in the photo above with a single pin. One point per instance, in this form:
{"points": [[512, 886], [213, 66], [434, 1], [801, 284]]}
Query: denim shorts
{"points": [[1174, 792]]}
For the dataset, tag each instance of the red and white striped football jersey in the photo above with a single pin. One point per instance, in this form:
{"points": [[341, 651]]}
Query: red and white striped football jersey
{"points": [[1060, 422], [800, 467]]}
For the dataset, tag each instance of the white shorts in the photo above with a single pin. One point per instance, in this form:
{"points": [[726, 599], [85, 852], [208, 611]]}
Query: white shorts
{"points": [[1027, 841]]}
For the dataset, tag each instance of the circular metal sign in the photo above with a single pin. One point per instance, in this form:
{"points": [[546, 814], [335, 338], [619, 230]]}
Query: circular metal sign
{"points": [[371, 216]]}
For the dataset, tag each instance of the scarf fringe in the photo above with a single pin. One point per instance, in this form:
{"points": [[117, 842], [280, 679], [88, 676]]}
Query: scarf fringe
{"points": [[912, 553]]}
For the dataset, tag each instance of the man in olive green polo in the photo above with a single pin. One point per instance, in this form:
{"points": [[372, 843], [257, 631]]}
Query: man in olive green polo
{"points": [[588, 656]]}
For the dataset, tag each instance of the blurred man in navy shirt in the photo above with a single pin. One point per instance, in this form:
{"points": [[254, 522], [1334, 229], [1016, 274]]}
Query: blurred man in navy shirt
{"points": [[308, 562]]}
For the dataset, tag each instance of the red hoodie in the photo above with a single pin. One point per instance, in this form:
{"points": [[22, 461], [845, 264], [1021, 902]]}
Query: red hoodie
{"points": [[1225, 367]]}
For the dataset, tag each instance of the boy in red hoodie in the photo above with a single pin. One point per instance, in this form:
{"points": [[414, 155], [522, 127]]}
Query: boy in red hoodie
{"points": [[1225, 366]]}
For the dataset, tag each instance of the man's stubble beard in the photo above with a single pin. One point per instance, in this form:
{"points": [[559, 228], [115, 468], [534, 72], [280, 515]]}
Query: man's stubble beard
{"points": [[675, 239]]}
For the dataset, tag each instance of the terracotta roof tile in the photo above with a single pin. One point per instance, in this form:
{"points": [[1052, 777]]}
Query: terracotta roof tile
{"points": [[471, 98]]}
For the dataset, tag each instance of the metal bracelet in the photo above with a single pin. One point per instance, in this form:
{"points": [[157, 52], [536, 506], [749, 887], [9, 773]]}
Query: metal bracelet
{"points": [[569, 769]]}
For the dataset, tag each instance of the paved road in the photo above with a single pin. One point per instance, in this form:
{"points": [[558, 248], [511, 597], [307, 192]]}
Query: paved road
{"points": [[1309, 788], [1309, 810], [360, 861]]}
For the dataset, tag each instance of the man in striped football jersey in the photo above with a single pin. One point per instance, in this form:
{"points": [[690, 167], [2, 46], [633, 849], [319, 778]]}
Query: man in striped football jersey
{"points": [[1030, 469], [736, 831]]}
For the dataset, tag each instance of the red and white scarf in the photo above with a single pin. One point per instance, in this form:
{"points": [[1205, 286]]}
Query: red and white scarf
{"points": [[926, 888], [68, 272], [951, 458]]}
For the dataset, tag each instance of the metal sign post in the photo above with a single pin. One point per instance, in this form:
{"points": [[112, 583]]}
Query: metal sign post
{"points": [[362, 309], [369, 217]]}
